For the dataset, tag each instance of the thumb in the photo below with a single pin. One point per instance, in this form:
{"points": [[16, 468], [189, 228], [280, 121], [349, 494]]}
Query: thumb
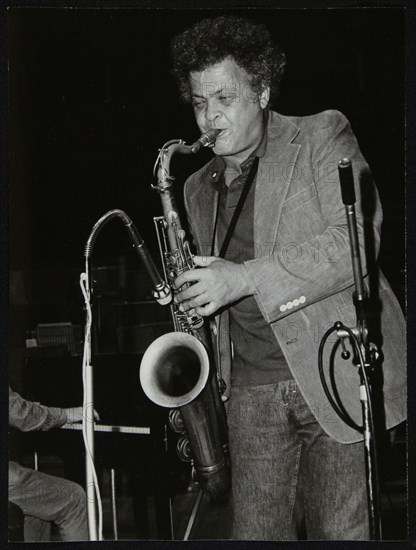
{"points": [[204, 261]]}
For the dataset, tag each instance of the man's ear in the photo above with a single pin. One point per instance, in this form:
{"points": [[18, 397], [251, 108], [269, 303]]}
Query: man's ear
{"points": [[264, 97]]}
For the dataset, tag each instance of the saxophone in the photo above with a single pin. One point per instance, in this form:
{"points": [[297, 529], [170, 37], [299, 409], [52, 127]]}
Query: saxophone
{"points": [[177, 370]]}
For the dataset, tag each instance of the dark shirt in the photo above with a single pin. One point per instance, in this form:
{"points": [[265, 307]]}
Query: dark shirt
{"points": [[258, 358]]}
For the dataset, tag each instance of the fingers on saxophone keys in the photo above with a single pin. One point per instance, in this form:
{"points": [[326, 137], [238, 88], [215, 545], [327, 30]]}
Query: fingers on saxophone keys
{"points": [[206, 310], [179, 298], [186, 306], [186, 294], [186, 277], [198, 301]]}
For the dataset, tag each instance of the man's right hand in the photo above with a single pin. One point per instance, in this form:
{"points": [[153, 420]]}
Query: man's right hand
{"points": [[75, 414]]}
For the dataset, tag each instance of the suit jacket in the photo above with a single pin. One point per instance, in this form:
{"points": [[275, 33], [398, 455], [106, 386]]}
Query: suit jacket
{"points": [[302, 270], [29, 416]]}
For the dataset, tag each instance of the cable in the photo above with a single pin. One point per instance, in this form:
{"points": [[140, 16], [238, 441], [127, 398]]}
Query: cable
{"points": [[86, 360], [371, 437], [356, 344], [323, 380]]}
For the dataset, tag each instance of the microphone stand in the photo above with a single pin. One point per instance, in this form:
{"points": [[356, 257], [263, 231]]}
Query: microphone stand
{"points": [[162, 294], [88, 422], [366, 352]]}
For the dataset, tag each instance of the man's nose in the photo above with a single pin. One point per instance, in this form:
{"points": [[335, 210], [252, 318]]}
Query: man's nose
{"points": [[212, 112]]}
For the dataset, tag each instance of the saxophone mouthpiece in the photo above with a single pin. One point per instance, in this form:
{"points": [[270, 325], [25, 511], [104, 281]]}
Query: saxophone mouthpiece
{"points": [[207, 139]]}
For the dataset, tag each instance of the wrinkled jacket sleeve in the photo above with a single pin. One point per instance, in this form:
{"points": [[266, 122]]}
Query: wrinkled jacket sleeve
{"points": [[29, 416], [278, 279]]}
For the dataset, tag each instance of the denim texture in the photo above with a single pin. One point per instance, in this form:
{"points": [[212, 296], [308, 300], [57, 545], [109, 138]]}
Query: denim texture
{"points": [[44, 498], [286, 471]]}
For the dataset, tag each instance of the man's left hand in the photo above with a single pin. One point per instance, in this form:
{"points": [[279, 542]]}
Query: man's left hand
{"points": [[216, 284]]}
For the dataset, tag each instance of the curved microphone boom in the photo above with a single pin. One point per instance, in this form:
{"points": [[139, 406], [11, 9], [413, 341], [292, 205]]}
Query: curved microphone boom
{"points": [[163, 294], [161, 290]]}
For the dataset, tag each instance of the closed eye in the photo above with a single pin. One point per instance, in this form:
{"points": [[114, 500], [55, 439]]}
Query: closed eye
{"points": [[226, 99], [198, 103]]}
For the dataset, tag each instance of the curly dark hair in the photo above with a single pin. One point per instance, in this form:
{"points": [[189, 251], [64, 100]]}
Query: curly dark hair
{"points": [[211, 41]]}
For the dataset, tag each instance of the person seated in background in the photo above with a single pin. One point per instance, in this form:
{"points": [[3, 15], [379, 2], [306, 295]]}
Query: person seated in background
{"points": [[44, 498], [16, 521]]}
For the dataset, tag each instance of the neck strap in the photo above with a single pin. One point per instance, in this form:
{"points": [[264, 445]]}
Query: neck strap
{"points": [[247, 185]]}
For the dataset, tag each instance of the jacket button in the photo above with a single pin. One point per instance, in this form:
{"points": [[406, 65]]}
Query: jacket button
{"points": [[282, 307], [289, 305], [296, 302], [302, 300]]}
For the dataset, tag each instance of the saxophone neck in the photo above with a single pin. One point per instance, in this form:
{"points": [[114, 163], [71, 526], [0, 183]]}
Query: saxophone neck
{"points": [[162, 165], [161, 170], [207, 139]]}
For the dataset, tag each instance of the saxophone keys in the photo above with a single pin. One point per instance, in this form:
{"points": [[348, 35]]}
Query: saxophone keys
{"points": [[183, 449], [176, 422], [222, 386]]}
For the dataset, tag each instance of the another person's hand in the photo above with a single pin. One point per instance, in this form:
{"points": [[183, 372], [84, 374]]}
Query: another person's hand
{"points": [[216, 284], [75, 414]]}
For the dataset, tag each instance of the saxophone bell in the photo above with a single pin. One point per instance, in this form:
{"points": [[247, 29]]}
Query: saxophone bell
{"points": [[174, 369], [175, 373]]}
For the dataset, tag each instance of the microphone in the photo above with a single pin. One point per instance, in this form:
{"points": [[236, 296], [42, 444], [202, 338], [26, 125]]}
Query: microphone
{"points": [[161, 290], [348, 198], [347, 181], [207, 139]]}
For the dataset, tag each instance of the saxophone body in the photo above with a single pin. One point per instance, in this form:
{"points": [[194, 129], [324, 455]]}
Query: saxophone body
{"points": [[178, 369]]}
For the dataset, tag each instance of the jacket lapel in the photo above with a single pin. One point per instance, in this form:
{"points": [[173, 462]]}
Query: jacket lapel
{"points": [[203, 206], [272, 184], [273, 179]]}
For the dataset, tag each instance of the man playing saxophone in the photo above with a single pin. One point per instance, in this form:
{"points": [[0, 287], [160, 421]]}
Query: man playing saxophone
{"points": [[275, 281]]}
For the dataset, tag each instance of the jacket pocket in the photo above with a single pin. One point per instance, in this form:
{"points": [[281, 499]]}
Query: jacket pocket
{"points": [[300, 199]]}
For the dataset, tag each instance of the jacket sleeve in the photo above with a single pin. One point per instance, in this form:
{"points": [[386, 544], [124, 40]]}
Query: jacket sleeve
{"points": [[29, 416], [320, 265]]}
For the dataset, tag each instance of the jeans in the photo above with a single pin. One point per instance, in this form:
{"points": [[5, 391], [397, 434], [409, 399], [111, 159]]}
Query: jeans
{"points": [[286, 472], [51, 499]]}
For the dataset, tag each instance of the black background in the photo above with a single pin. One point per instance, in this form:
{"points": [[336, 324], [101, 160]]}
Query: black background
{"points": [[91, 100], [87, 100]]}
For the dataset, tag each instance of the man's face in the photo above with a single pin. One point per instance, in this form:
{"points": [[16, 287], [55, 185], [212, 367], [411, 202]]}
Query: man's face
{"points": [[223, 99]]}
